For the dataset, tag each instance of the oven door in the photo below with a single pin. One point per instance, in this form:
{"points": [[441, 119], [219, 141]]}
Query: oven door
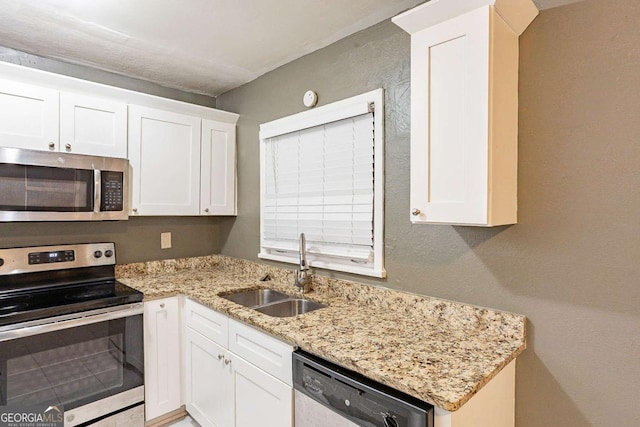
{"points": [[92, 365]]}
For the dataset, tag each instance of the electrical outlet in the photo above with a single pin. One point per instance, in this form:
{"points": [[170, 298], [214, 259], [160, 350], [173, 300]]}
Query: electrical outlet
{"points": [[165, 240]]}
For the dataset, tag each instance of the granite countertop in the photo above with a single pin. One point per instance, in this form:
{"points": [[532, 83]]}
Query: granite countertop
{"points": [[438, 351]]}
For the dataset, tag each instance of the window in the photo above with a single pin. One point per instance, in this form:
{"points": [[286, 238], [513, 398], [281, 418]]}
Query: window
{"points": [[322, 174]]}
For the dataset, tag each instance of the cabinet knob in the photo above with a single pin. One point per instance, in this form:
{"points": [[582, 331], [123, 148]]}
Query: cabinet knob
{"points": [[135, 210], [220, 356], [161, 305], [67, 147], [415, 212], [52, 146], [206, 210], [227, 361]]}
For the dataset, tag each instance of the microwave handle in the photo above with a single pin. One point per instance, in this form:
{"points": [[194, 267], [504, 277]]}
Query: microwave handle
{"points": [[97, 190]]}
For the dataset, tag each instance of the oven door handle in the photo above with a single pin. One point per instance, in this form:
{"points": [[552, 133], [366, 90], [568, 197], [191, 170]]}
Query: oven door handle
{"points": [[67, 321]]}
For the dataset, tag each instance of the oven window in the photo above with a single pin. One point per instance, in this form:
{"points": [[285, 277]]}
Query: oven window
{"points": [[40, 188], [74, 366]]}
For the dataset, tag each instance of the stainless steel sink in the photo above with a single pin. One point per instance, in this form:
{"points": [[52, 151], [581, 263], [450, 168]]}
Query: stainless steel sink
{"points": [[256, 297], [290, 307], [273, 303]]}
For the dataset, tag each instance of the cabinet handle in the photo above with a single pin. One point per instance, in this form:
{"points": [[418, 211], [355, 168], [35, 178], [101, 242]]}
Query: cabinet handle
{"points": [[227, 361], [52, 145], [67, 147], [206, 210], [220, 356], [415, 212], [161, 305], [135, 210]]}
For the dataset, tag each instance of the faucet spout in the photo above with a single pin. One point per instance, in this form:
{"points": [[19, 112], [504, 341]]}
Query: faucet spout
{"points": [[302, 277]]}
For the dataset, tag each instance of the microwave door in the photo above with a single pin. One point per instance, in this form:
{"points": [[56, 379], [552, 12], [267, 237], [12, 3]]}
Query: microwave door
{"points": [[28, 188]]}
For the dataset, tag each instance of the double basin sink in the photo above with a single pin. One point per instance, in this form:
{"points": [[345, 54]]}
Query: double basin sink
{"points": [[273, 303]]}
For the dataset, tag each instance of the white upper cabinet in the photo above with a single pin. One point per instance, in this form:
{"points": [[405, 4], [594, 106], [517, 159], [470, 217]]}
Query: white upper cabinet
{"points": [[464, 109], [218, 168], [92, 126], [164, 152], [28, 116], [40, 118], [182, 156]]}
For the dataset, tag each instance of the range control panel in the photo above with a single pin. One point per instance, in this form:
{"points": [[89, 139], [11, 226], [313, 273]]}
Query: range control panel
{"points": [[51, 256], [45, 258]]}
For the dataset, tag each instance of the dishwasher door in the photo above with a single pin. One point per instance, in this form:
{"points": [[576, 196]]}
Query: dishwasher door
{"points": [[310, 413], [327, 395]]}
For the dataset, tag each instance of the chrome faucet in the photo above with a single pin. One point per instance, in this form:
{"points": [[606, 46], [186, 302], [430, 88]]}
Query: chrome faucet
{"points": [[302, 277]]}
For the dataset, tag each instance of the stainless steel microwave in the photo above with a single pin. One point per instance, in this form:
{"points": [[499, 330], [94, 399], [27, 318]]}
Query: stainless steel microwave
{"points": [[44, 186]]}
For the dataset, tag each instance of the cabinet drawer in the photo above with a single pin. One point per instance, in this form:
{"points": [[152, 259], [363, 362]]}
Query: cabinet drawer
{"points": [[209, 323], [264, 351]]}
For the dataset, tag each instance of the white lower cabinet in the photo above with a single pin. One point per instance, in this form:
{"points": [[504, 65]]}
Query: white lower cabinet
{"points": [[162, 357], [260, 399], [207, 380], [226, 389]]}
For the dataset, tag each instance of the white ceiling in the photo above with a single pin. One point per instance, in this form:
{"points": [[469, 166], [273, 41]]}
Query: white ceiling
{"points": [[201, 46]]}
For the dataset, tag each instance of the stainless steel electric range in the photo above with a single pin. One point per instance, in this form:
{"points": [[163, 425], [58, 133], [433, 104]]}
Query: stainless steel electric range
{"points": [[70, 334]]}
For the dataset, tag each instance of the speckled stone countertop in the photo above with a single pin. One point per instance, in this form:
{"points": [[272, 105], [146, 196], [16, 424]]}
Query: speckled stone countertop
{"points": [[439, 351]]}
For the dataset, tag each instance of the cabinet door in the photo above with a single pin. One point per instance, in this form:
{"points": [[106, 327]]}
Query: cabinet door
{"points": [[164, 152], [92, 126], [260, 399], [162, 357], [28, 116], [207, 381], [449, 126], [218, 169]]}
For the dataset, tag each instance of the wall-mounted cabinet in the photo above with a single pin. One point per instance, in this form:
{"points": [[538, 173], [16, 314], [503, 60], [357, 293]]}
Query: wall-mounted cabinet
{"points": [[92, 126], [218, 168], [39, 118], [164, 151], [28, 116], [181, 165], [183, 156], [464, 109]]}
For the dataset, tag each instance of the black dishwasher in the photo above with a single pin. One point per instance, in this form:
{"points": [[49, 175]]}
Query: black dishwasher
{"points": [[327, 394]]}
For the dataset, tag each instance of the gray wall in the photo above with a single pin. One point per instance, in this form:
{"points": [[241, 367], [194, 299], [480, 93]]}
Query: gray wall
{"points": [[571, 263], [139, 238]]}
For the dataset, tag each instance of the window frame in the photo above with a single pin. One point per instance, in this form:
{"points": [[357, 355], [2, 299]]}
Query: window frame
{"points": [[319, 116]]}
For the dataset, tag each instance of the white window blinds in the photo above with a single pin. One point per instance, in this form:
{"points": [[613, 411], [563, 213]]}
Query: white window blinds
{"points": [[320, 181], [321, 174]]}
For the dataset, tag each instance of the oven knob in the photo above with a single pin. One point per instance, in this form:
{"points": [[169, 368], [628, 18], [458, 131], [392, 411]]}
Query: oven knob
{"points": [[97, 254], [108, 253]]}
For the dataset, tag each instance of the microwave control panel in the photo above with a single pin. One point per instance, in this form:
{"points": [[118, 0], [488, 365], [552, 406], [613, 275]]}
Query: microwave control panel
{"points": [[112, 190]]}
